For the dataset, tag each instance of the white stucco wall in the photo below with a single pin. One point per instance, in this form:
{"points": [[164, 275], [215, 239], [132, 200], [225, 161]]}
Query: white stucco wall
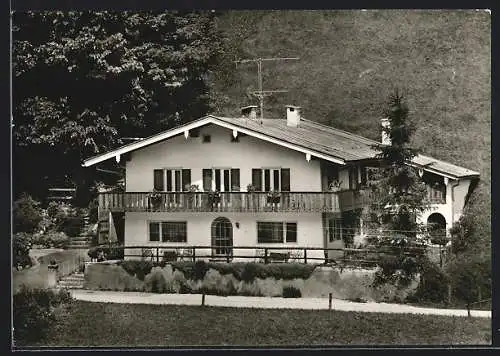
{"points": [[309, 230], [249, 153], [456, 192]]}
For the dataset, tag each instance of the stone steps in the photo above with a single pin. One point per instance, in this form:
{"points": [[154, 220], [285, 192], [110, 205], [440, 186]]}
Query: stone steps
{"points": [[73, 281]]}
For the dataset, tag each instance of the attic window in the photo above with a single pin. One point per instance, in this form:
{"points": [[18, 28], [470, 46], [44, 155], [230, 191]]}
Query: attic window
{"points": [[292, 109], [207, 138], [195, 133]]}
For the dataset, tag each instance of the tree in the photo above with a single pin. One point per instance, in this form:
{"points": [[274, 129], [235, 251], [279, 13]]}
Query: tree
{"points": [[84, 80], [399, 197], [27, 214]]}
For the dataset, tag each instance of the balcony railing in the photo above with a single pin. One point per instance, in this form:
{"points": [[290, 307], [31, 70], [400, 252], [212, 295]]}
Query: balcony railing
{"points": [[233, 201]]}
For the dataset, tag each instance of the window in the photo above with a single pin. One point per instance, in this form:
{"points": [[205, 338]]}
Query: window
{"points": [[172, 180], [158, 180], [170, 231], [207, 138], [276, 232], [334, 230], [223, 179], [274, 179]]}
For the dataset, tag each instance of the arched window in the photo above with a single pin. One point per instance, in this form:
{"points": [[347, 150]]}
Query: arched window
{"points": [[436, 226], [222, 238]]}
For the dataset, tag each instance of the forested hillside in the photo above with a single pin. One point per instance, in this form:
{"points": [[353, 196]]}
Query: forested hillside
{"points": [[349, 63]]}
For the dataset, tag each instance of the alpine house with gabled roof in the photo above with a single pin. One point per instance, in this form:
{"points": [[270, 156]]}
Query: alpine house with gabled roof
{"points": [[225, 182]]}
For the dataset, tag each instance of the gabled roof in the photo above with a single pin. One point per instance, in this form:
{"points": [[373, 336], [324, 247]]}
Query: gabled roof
{"points": [[309, 137]]}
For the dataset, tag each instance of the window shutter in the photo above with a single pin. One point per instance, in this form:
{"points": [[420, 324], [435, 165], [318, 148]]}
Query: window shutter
{"points": [[207, 179], [186, 179], [158, 180], [276, 179], [285, 179], [226, 180], [257, 179], [169, 180], [235, 179], [177, 180], [291, 232], [267, 180], [217, 179]]}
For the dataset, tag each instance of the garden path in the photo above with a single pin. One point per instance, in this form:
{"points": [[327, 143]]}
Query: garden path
{"points": [[264, 302]]}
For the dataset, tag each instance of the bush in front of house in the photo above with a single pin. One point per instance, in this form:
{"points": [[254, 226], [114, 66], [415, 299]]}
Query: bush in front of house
{"points": [[111, 277], [33, 313], [291, 292], [21, 245], [26, 214], [155, 282], [199, 270], [433, 286], [137, 268], [52, 239]]}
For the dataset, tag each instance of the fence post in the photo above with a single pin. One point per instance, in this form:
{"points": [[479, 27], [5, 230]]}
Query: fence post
{"points": [[194, 254], [449, 293], [305, 256], [329, 301], [157, 255], [265, 255], [203, 299]]}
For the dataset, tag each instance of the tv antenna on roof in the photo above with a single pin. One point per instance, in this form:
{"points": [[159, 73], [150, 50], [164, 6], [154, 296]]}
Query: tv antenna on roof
{"points": [[261, 94]]}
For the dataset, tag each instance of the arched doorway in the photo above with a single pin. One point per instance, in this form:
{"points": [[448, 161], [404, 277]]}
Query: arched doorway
{"points": [[436, 226], [222, 238]]}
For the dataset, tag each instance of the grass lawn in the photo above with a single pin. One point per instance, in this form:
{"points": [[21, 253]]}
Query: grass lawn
{"points": [[106, 324]]}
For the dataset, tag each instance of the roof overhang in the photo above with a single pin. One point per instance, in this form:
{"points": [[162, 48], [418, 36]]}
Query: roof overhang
{"points": [[429, 168], [202, 122]]}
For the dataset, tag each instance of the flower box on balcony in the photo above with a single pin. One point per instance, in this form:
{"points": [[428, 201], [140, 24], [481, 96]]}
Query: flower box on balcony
{"points": [[155, 199], [273, 198]]}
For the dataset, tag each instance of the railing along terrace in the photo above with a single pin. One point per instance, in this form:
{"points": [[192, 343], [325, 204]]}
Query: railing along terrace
{"points": [[233, 201], [261, 254]]}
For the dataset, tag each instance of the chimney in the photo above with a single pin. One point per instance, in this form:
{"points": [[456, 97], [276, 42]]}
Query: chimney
{"points": [[249, 111], [386, 140], [292, 115]]}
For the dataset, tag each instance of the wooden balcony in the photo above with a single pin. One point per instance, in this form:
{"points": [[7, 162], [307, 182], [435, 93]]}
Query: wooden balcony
{"points": [[243, 202]]}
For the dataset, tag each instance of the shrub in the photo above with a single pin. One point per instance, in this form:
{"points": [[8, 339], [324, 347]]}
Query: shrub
{"points": [[72, 225], [27, 214], [250, 272], [433, 284], [33, 312], [291, 292], [288, 271], [21, 248], [200, 269], [53, 239], [137, 268], [94, 252], [156, 283]]}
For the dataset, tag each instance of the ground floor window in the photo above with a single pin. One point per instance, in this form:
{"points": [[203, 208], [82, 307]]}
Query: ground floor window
{"points": [[334, 229], [276, 232], [169, 231]]}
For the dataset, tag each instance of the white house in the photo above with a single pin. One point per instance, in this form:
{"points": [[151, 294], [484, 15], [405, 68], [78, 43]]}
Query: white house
{"points": [[244, 159]]}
